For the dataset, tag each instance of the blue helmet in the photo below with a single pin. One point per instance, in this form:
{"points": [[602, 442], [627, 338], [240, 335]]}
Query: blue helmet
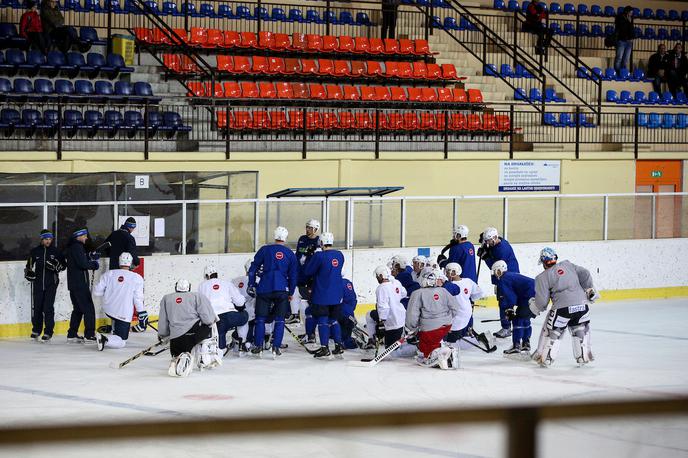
{"points": [[548, 257]]}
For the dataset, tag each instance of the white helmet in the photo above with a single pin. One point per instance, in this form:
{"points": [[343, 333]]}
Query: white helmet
{"points": [[490, 233], [382, 271], [499, 266], [453, 269], [548, 257], [461, 230], [400, 260], [327, 238], [313, 223], [209, 270], [125, 259], [281, 233], [420, 259], [428, 278], [182, 286], [247, 264]]}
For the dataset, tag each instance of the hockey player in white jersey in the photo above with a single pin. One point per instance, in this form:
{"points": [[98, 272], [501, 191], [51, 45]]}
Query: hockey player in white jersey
{"points": [[419, 263], [189, 320], [228, 303], [570, 289], [431, 310], [122, 292], [386, 322], [244, 334]]}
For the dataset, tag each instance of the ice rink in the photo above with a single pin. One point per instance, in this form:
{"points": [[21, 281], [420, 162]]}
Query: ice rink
{"points": [[641, 351]]}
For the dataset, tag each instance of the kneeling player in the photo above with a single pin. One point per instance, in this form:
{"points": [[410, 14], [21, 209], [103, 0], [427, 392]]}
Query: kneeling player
{"points": [[189, 320], [515, 291], [122, 292], [347, 320], [431, 310], [244, 334], [570, 288], [387, 320]]}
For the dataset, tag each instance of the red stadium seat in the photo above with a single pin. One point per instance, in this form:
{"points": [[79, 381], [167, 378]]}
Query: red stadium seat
{"points": [[421, 48], [172, 62], [330, 120], [325, 67], [295, 119], [308, 67], [489, 122], [195, 89], [395, 121], [314, 43], [427, 121], [398, 94], [346, 44], [346, 120], [457, 121], [313, 120], [475, 96], [218, 92], [317, 91], [368, 93], [391, 46], [182, 34], [405, 70], [216, 39], [260, 64], [341, 68], [361, 45], [292, 65], [358, 68], [351, 93], [143, 34], [434, 71], [240, 120], [266, 40], [449, 72], [415, 94], [261, 119], [420, 70], [300, 90], [376, 46], [382, 120], [503, 123], [333, 92], [249, 90], [159, 38], [473, 122], [232, 90], [275, 65], [188, 66], [199, 36], [329, 43], [281, 42], [248, 40], [284, 91], [406, 47], [391, 69], [221, 119], [374, 69], [410, 121], [266, 90], [232, 39], [278, 120], [460, 95], [429, 94], [363, 121], [444, 94], [242, 64], [298, 42], [382, 93], [440, 121]]}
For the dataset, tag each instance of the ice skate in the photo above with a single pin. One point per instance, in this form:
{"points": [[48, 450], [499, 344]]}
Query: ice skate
{"points": [[257, 352], [101, 340], [525, 346], [338, 351], [307, 339], [90, 340], [75, 340], [323, 353], [516, 349], [502, 333], [292, 319], [35, 335], [244, 349], [276, 352], [46, 338]]}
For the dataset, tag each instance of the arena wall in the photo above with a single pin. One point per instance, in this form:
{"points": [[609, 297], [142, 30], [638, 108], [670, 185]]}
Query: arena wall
{"points": [[623, 269]]}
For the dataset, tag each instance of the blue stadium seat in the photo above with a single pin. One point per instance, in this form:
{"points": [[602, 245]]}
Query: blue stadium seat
{"points": [[89, 36], [31, 120], [674, 16], [104, 90], [609, 11], [681, 99], [654, 120], [624, 98], [331, 17], [506, 71], [535, 95], [440, 4], [524, 6], [565, 120], [636, 12], [583, 30], [9, 119], [14, 59], [278, 15], [597, 74], [64, 89], [642, 119], [465, 24], [189, 9], [115, 65], [35, 60], [596, 10], [155, 121], [520, 94], [623, 75], [423, 2], [153, 6], [582, 9], [50, 119], [512, 5], [93, 6], [491, 70], [638, 75], [22, 88], [609, 30], [609, 74], [43, 89], [144, 92], [569, 29], [648, 13], [133, 121], [653, 98], [93, 120], [13, 4], [73, 5], [555, 28], [675, 35], [450, 23], [596, 31], [225, 11], [172, 123], [582, 73], [551, 120], [345, 17], [667, 98], [521, 72], [96, 61], [57, 62], [112, 122], [555, 8], [123, 90], [684, 15], [170, 9], [551, 96], [295, 15], [261, 12], [649, 33], [5, 86], [362, 18], [660, 14], [84, 88], [436, 22], [611, 96], [498, 4], [681, 121], [668, 120], [77, 60], [72, 120], [115, 5], [569, 8], [584, 121], [662, 34], [639, 98]]}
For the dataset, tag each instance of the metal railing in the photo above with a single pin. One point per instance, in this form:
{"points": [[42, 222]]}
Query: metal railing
{"points": [[364, 222]]}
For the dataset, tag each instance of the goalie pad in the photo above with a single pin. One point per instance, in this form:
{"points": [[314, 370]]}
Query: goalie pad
{"points": [[207, 352], [548, 347], [445, 357], [181, 366], [580, 339]]}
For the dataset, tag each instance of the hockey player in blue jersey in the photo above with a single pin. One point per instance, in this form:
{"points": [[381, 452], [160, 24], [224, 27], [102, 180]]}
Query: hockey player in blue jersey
{"points": [[347, 319], [276, 287], [462, 252], [325, 269], [494, 248], [403, 273], [514, 292], [306, 247]]}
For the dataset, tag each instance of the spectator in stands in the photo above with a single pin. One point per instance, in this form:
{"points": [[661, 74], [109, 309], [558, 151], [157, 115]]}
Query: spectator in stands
{"points": [[655, 68], [389, 18], [30, 27], [56, 32], [625, 35], [675, 68], [536, 23]]}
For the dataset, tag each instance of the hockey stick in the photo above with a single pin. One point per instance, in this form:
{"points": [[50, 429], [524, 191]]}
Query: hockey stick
{"points": [[155, 353], [490, 321], [298, 341], [140, 354], [490, 350], [389, 350]]}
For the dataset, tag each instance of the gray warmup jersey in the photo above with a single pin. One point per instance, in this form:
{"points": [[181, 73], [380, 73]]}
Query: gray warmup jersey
{"points": [[431, 308], [565, 283], [180, 311]]}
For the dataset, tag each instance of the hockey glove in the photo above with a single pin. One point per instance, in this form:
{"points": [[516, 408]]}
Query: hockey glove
{"points": [[440, 259], [533, 307], [380, 330], [480, 239], [240, 308], [251, 291], [510, 314], [592, 294], [94, 256], [482, 252], [143, 319], [29, 274]]}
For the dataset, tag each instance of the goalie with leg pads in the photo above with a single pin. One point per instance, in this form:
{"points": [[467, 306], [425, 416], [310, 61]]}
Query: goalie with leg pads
{"points": [[570, 288]]}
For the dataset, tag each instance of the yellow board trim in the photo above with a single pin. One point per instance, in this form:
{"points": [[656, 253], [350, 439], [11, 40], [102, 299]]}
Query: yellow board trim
{"points": [[24, 329]]}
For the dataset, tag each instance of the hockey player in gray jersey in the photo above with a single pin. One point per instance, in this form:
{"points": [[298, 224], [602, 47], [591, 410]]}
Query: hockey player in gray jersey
{"points": [[188, 319], [570, 289]]}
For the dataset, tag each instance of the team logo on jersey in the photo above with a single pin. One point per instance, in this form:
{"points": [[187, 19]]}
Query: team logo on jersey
{"points": [[436, 297], [335, 263], [178, 300], [241, 284], [465, 290], [560, 272], [216, 286], [279, 255], [351, 287], [470, 251], [120, 279], [397, 290]]}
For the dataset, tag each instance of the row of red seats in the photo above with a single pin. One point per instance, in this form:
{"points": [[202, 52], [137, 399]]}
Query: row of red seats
{"points": [[345, 120], [313, 91], [299, 42], [329, 67]]}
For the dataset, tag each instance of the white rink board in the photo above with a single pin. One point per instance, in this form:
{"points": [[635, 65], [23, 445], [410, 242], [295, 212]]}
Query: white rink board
{"points": [[625, 264]]}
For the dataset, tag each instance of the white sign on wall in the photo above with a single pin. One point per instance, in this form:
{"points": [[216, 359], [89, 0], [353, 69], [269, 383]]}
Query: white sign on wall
{"points": [[141, 182], [528, 176], [142, 231]]}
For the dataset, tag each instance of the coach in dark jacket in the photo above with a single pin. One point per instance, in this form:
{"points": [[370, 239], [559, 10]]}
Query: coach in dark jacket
{"points": [[122, 241], [676, 68], [655, 68], [78, 265], [42, 269], [625, 34]]}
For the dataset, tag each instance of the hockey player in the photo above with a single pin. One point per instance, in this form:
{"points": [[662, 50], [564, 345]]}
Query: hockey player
{"points": [[227, 302], [42, 270], [570, 288], [325, 271], [78, 265], [431, 311], [493, 248], [306, 247], [275, 290], [461, 252], [404, 275], [386, 322], [245, 333], [514, 292], [189, 320], [347, 319], [122, 292], [419, 262], [121, 240]]}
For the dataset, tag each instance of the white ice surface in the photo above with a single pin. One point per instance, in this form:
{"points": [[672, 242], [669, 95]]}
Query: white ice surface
{"points": [[641, 351]]}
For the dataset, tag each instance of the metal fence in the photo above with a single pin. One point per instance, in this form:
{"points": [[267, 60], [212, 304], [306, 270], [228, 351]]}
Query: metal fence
{"points": [[210, 226]]}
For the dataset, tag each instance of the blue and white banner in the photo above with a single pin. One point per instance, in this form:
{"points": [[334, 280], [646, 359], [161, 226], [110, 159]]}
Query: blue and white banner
{"points": [[529, 176]]}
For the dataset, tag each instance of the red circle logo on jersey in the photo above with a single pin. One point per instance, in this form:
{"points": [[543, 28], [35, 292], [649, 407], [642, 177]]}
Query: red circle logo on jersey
{"points": [[470, 251], [351, 287], [436, 297], [120, 279], [335, 263], [216, 287], [560, 272], [465, 290], [178, 300], [279, 255], [241, 284], [397, 289]]}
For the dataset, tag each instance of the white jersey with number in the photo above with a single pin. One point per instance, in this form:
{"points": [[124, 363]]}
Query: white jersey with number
{"points": [[122, 291], [242, 283], [223, 295], [469, 290], [388, 298]]}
